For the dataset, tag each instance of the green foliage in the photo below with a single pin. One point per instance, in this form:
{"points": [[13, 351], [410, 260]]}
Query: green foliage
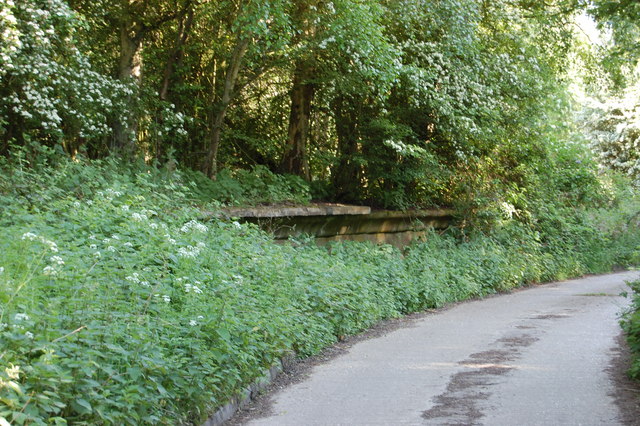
{"points": [[631, 325], [614, 127], [119, 305], [250, 187], [48, 90]]}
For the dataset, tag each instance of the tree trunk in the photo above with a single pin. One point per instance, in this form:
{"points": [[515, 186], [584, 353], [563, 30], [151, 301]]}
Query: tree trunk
{"points": [[175, 56], [231, 77], [129, 69], [346, 175], [295, 159]]}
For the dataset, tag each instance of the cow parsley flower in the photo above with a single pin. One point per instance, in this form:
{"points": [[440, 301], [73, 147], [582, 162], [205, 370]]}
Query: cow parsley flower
{"points": [[29, 335], [193, 323], [193, 224], [190, 251], [57, 260], [29, 236], [21, 317], [138, 217], [134, 278], [52, 246], [50, 271], [166, 298]]}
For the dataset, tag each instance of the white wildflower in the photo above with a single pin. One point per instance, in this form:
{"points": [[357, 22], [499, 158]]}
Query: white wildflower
{"points": [[125, 208], [145, 284], [200, 317], [111, 248], [236, 224], [138, 217], [1, 269], [128, 244], [106, 241], [57, 260], [50, 271], [92, 237], [29, 335], [21, 317], [134, 278], [29, 236], [197, 290], [52, 246], [115, 237], [93, 247], [97, 254], [193, 224], [153, 225], [193, 323], [166, 298], [76, 204], [189, 251]]}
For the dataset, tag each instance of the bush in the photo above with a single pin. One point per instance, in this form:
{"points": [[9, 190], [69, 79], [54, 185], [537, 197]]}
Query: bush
{"points": [[631, 325]]}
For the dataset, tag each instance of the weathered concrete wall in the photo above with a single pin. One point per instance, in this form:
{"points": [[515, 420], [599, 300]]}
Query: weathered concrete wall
{"points": [[340, 222]]}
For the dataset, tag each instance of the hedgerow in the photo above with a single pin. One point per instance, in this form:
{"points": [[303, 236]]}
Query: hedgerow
{"points": [[121, 304]]}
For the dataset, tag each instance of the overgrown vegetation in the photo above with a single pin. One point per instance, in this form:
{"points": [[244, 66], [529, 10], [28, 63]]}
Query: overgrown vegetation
{"points": [[631, 326], [120, 305]]}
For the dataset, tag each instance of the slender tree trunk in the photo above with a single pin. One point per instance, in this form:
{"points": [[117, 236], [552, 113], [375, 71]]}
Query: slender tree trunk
{"points": [[231, 78], [175, 56], [129, 69], [295, 160], [346, 175]]}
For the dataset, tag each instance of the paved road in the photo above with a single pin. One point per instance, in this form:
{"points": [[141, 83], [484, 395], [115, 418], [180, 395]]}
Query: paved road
{"points": [[534, 357]]}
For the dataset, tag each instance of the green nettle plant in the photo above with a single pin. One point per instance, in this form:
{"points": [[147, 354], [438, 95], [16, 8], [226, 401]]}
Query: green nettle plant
{"points": [[120, 304]]}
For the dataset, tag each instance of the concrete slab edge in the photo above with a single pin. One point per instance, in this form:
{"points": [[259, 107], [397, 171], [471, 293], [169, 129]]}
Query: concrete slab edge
{"points": [[251, 392]]}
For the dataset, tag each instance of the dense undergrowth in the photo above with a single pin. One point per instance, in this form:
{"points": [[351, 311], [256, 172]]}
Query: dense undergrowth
{"points": [[631, 325], [120, 304]]}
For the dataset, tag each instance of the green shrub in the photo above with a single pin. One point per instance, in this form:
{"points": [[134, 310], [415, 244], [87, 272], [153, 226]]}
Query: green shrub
{"points": [[631, 325]]}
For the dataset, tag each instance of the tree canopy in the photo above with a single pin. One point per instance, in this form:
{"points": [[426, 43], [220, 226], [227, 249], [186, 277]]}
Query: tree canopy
{"points": [[392, 103]]}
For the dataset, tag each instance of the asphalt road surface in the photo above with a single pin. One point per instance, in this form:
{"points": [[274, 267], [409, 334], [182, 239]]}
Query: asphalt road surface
{"points": [[539, 356]]}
